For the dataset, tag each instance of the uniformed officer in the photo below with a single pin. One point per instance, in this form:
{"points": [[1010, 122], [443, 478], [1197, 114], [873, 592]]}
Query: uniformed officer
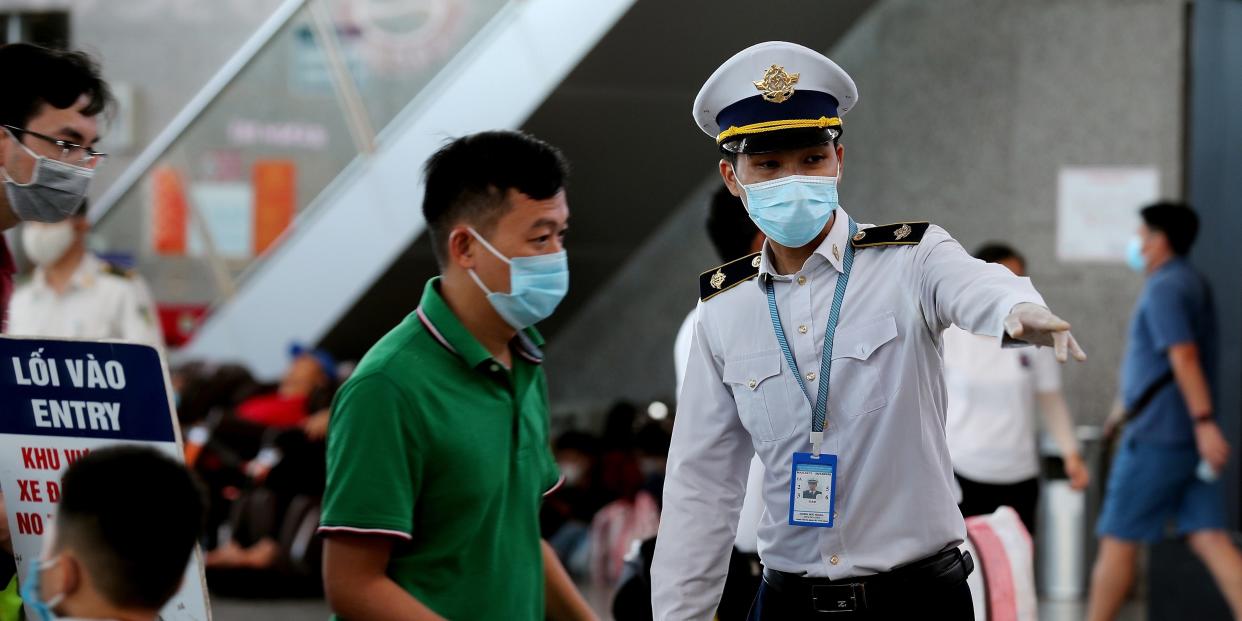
{"points": [[821, 354], [811, 493], [75, 294]]}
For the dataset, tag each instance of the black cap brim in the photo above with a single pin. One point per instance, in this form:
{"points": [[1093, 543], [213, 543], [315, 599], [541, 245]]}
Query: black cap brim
{"points": [[781, 140]]}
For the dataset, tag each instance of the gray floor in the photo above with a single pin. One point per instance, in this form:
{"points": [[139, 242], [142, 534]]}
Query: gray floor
{"points": [[276, 610], [1076, 611], [248, 610]]}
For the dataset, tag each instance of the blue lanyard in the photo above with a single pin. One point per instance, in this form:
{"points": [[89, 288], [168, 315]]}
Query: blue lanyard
{"points": [[819, 410]]}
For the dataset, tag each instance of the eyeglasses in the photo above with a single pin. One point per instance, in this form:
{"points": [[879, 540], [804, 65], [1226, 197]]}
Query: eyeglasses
{"points": [[70, 152]]}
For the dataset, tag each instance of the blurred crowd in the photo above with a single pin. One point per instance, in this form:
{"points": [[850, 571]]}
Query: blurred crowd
{"points": [[259, 449]]}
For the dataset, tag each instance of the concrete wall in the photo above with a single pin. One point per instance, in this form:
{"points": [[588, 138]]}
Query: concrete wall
{"points": [[967, 110]]}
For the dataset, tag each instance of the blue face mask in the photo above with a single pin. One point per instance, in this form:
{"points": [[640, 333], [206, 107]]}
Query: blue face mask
{"points": [[31, 593], [1134, 255], [536, 286], [792, 210]]}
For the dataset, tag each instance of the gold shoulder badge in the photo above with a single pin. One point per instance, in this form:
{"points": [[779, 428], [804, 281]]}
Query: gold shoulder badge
{"points": [[777, 86], [859, 236], [720, 279], [902, 232]]}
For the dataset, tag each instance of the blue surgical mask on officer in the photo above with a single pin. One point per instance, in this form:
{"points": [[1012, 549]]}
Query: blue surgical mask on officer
{"points": [[32, 595], [537, 284], [792, 210], [1134, 255]]}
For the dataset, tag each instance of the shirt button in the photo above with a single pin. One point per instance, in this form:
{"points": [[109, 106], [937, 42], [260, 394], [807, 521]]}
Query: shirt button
{"points": [[834, 560], [810, 377], [802, 280], [752, 384], [494, 368], [802, 329]]}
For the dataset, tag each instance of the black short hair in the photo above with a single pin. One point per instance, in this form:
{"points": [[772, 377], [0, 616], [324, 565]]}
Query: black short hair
{"points": [[995, 252], [731, 156], [134, 516], [1178, 222], [36, 75], [469, 179], [729, 226]]}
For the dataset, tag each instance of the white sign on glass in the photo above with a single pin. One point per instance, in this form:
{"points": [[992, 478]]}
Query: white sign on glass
{"points": [[1097, 210]]}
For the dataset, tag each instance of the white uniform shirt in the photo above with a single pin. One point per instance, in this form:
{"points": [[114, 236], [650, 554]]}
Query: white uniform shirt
{"points": [[886, 415], [991, 423], [98, 304], [747, 538]]}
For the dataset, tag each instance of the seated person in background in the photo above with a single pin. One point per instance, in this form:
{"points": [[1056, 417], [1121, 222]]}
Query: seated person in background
{"points": [[300, 393], [237, 446], [201, 389], [118, 551], [75, 294], [266, 473]]}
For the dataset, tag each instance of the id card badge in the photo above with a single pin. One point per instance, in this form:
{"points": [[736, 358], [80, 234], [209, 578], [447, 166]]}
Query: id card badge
{"points": [[813, 490]]}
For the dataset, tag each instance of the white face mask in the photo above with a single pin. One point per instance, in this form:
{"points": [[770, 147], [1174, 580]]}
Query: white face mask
{"points": [[45, 244]]}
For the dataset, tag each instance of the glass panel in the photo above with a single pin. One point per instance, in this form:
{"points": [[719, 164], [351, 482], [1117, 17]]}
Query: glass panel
{"points": [[258, 156], [237, 177], [395, 47]]}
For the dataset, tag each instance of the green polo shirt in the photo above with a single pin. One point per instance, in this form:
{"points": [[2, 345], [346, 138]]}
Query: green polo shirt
{"points": [[436, 444]]}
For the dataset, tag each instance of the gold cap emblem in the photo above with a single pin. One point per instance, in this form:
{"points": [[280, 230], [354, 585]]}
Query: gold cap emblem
{"points": [[777, 85], [717, 280], [755, 261], [902, 232], [859, 237]]}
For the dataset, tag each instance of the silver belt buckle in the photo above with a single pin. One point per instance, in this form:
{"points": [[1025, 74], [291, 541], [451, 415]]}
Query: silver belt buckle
{"points": [[839, 597]]}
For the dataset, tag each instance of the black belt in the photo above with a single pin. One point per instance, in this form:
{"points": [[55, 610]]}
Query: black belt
{"points": [[946, 569]]}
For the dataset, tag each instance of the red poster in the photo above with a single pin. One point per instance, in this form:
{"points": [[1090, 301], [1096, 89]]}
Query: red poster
{"points": [[169, 212], [274, 200]]}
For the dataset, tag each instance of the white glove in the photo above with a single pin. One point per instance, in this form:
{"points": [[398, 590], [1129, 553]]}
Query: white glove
{"points": [[1038, 326]]}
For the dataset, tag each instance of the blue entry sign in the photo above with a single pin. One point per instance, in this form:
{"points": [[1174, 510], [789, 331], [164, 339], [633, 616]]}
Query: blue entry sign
{"points": [[61, 399]]}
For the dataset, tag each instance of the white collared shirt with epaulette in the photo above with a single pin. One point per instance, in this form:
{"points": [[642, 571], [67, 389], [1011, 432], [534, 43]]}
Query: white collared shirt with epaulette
{"points": [[886, 410], [101, 301]]}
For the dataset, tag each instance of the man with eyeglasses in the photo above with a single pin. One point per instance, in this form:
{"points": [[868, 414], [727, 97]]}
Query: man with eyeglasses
{"points": [[49, 110]]}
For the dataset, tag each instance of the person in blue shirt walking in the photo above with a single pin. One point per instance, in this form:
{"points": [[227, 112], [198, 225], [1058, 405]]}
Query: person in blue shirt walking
{"points": [[1172, 447]]}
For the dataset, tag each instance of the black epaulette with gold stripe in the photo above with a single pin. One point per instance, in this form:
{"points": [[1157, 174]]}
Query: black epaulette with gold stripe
{"points": [[116, 270], [716, 281], [900, 234]]}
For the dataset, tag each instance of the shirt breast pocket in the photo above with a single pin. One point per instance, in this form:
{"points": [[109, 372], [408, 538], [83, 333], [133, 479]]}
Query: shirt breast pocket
{"points": [[858, 365], [762, 397]]}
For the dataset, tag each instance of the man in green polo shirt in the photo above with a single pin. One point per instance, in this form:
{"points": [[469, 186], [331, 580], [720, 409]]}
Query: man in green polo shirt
{"points": [[438, 455]]}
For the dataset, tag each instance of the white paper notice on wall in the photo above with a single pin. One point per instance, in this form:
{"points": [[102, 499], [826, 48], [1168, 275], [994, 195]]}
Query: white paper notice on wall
{"points": [[1097, 210]]}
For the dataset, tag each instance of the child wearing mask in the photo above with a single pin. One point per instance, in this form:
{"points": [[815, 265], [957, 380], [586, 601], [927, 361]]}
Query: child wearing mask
{"points": [[118, 550]]}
